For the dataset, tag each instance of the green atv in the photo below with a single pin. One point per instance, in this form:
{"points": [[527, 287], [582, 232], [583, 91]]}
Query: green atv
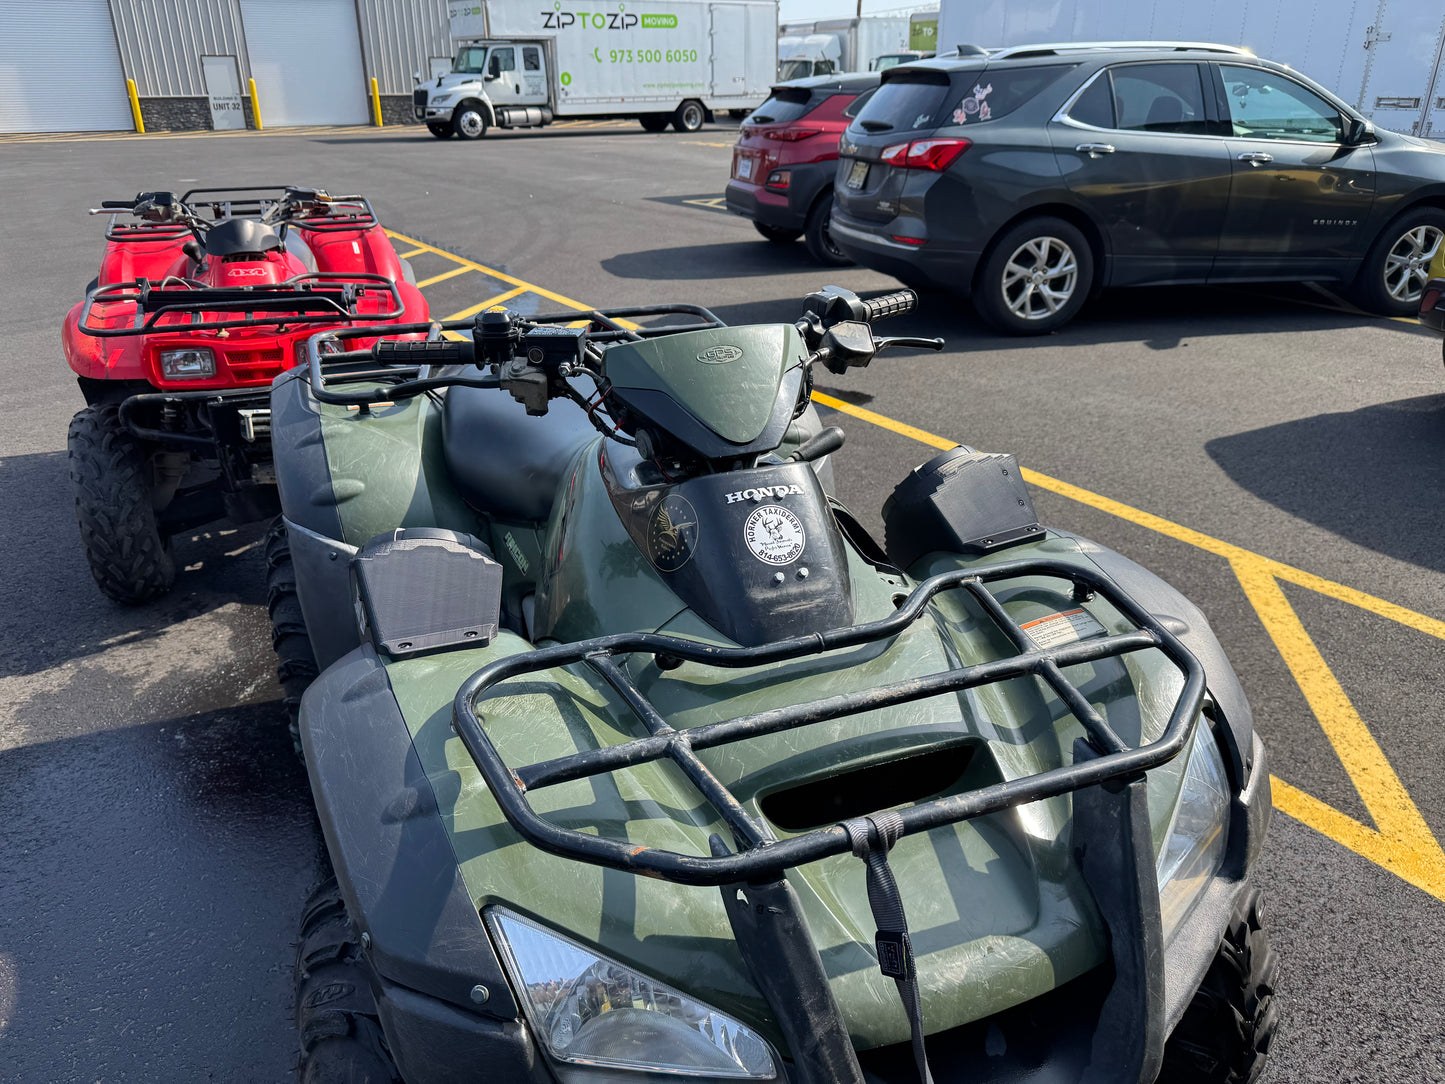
{"points": [[637, 758]]}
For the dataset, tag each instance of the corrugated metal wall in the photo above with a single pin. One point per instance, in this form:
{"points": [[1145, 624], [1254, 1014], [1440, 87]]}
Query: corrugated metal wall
{"points": [[398, 37], [162, 42]]}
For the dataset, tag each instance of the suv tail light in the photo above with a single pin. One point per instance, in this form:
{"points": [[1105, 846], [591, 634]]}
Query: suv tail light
{"points": [[934, 154], [791, 135]]}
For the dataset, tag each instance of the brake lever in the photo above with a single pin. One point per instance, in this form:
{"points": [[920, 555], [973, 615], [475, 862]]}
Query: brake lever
{"points": [[908, 341]]}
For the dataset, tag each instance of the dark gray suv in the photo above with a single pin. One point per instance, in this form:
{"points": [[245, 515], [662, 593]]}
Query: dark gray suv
{"points": [[1031, 177]]}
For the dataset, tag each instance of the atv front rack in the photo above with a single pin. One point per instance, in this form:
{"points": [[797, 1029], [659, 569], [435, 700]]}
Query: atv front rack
{"points": [[761, 856], [317, 297]]}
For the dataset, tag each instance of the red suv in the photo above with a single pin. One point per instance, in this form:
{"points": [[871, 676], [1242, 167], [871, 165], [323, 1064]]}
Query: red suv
{"points": [[786, 156]]}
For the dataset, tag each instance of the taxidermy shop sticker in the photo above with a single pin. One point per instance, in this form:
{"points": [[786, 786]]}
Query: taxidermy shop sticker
{"points": [[774, 535], [1062, 628]]}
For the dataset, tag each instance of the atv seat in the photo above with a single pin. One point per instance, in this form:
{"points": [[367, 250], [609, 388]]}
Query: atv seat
{"points": [[505, 463]]}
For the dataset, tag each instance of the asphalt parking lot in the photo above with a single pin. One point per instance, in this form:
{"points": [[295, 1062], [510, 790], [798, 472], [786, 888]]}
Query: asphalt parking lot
{"points": [[1276, 456]]}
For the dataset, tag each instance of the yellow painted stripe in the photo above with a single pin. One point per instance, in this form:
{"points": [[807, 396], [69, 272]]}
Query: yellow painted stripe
{"points": [[453, 273], [1230, 552], [409, 253], [1402, 840], [489, 302]]}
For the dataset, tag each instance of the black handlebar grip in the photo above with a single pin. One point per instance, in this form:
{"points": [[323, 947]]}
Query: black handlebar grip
{"points": [[894, 304], [118, 204], [430, 352]]}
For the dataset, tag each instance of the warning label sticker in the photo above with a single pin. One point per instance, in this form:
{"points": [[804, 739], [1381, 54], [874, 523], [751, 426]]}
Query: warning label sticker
{"points": [[1062, 628]]}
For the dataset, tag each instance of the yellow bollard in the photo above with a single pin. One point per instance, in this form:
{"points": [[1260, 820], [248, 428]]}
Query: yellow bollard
{"points": [[140, 124], [255, 105], [375, 103]]}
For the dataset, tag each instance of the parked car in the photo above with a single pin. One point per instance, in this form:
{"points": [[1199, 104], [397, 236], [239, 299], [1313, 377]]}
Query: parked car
{"points": [[1031, 177], [784, 159]]}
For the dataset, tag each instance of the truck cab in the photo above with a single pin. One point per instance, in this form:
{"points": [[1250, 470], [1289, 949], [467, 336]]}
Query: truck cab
{"points": [[492, 84]]}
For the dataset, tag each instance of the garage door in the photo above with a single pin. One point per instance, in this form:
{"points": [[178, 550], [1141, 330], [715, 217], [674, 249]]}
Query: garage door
{"points": [[39, 44], [306, 60]]}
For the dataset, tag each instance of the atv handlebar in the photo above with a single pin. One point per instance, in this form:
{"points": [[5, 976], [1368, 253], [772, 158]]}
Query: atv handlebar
{"points": [[895, 304]]}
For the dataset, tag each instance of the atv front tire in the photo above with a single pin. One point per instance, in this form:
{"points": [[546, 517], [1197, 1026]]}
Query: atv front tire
{"points": [[341, 1037], [1225, 1033], [295, 661], [128, 556]]}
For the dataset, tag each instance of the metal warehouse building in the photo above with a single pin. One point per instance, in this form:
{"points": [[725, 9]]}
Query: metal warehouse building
{"points": [[213, 63]]}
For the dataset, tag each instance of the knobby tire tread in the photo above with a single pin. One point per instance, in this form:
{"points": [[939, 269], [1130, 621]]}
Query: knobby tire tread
{"points": [[128, 556], [336, 1018], [1225, 1033], [296, 665]]}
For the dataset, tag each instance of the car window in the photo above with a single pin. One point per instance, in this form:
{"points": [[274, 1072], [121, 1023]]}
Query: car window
{"points": [[903, 105], [998, 92], [503, 60], [1096, 105], [470, 61], [786, 104], [859, 102], [531, 59], [1159, 98], [1266, 105]]}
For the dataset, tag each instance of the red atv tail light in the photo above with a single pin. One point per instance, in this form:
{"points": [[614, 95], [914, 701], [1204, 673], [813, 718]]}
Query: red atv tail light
{"points": [[934, 154], [791, 135]]}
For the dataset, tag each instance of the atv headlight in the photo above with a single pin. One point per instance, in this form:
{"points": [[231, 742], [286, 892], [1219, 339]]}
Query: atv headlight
{"points": [[195, 363], [1194, 847], [585, 1009]]}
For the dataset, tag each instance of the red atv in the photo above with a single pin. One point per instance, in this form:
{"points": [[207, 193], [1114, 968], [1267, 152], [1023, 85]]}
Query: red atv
{"points": [[201, 300]]}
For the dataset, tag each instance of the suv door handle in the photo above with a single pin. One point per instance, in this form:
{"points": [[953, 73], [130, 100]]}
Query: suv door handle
{"points": [[1256, 158], [1093, 150]]}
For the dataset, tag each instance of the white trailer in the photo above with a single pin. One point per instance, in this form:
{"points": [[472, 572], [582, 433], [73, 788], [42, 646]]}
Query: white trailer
{"points": [[1381, 56], [521, 64], [859, 41]]}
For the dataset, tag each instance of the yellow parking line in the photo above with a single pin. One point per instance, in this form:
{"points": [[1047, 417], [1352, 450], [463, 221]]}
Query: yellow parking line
{"points": [[453, 273], [489, 302], [409, 253], [502, 276], [1401, 841]]}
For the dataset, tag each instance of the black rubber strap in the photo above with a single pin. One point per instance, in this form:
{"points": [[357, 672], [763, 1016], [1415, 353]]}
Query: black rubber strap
{"points": [[872, 838]]}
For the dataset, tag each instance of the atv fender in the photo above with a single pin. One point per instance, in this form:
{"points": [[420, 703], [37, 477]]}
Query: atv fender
{"points": [[395, 865]]}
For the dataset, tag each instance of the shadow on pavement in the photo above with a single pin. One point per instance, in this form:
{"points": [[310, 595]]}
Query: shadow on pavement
{"points": [[53, 611], [1374, 476], [147, 932], [1162, 318], [728, 260]]}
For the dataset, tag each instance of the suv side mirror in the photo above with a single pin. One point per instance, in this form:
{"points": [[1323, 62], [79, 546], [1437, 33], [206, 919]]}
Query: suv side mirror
{"points": [[1359, 131]]}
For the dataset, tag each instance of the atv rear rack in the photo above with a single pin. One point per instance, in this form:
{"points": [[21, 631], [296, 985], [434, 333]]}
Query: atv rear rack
{"points": [[761, 856], [317, 297]]}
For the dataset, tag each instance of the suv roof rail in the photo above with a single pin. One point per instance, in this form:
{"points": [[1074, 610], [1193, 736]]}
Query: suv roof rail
{"points": [[1054, 48]]}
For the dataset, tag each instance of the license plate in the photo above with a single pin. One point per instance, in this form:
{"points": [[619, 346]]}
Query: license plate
{"points": [[745, 169], [857, 175]]}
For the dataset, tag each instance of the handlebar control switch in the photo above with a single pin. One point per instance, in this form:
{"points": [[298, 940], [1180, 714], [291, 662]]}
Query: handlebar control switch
{"points": [[497, 334], [847, 345]]}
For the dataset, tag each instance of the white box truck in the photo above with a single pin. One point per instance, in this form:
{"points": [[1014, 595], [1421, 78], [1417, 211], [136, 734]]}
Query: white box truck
{"points": [[521, 64], [1382, 56], [826, 46]]}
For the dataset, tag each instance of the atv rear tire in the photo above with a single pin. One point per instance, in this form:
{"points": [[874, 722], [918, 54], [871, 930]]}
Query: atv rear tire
{"points": [[295, 661], [336, 1018], [128, 556], [1225, 1033]]}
